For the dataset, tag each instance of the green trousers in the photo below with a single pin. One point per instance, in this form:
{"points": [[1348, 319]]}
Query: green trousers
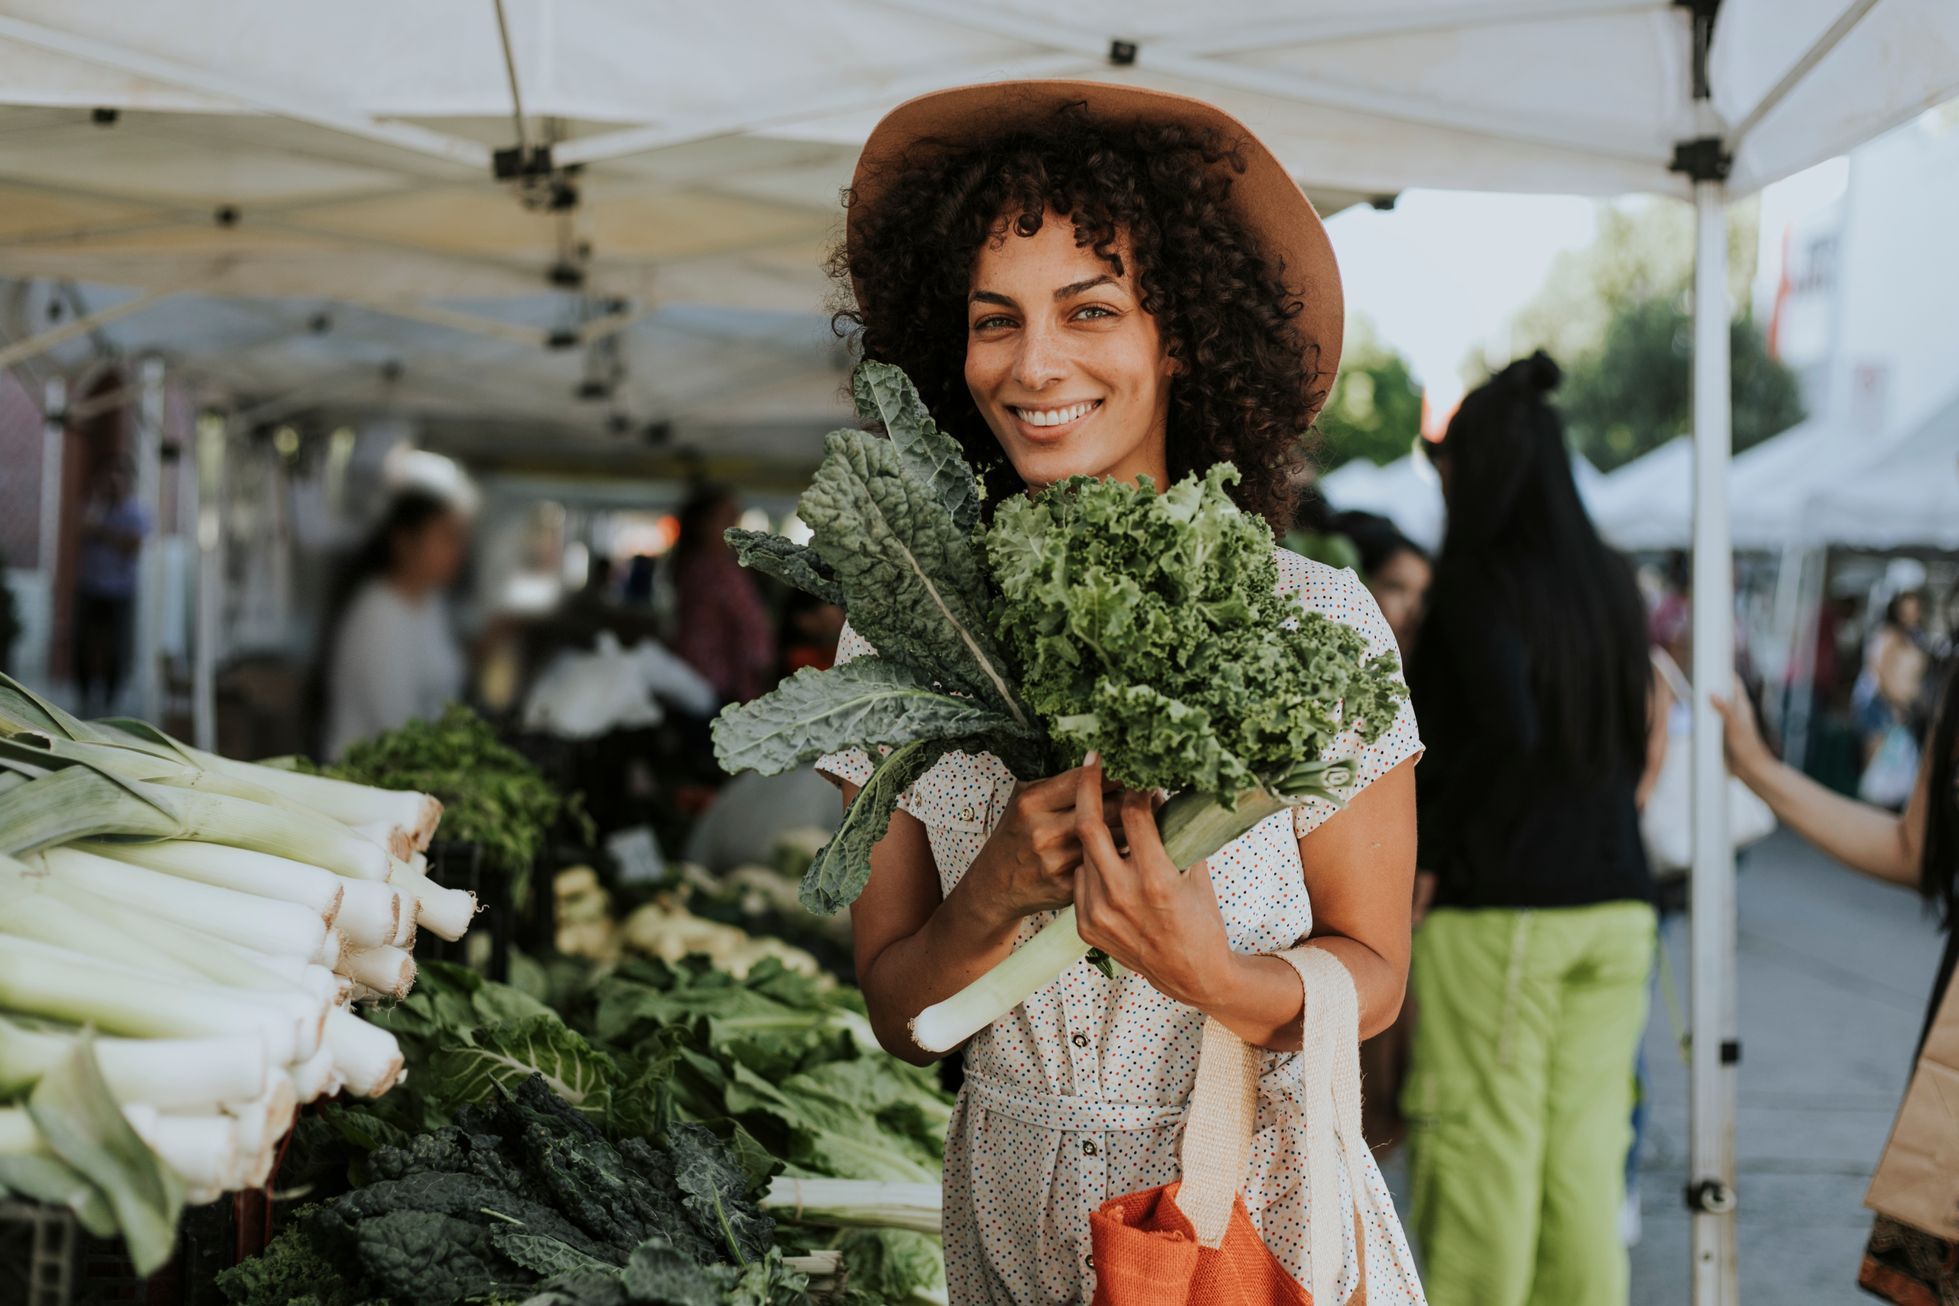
{"points": [[1519, 1101]]}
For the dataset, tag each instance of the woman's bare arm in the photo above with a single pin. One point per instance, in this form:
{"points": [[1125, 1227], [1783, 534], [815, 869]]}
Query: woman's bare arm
{"points": [[1861, 836]]}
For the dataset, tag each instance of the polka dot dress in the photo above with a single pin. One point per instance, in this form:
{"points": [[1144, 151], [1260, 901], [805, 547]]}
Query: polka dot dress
{"points": [[1079, 1095]]}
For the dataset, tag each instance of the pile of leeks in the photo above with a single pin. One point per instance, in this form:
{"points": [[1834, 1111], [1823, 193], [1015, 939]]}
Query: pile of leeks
{"points": [[182, 940]]}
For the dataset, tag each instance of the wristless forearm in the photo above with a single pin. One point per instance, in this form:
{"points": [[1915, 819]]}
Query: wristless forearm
{"points": [[959, 942]]}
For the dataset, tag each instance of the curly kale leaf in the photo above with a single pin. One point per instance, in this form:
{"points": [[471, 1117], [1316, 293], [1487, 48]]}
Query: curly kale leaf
{"points": [[1148, 627]]}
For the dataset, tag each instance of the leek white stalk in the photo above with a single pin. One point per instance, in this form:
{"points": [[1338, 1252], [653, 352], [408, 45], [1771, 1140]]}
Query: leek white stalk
{"points": [[265, 924], [389, 971], [316, 1077], [166, 1073], [308, 976], [856, 1203], [47, 915], [405, 924], [1193, 827], [264, 874], [240, 823], [385, 834], [371, 912], [366, 1056], [263, 1120], [332, 948], [37, 979], [19, 1136], [445, 912], [343, 800], [205, 1151]]}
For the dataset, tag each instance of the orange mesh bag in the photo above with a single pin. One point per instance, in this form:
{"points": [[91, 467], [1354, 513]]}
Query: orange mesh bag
{"points": [[1193, 1241]]}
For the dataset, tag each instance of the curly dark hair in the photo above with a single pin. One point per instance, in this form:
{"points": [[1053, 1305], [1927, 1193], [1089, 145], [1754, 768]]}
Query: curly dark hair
{"points": [[1243, 392]]}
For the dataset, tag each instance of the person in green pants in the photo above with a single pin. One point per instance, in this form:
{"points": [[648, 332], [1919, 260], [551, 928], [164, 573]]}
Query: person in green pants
{"points": [[1531, 966]]}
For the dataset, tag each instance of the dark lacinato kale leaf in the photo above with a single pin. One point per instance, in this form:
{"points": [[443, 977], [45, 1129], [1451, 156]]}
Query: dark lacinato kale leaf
{"points": [[715, 1193], [885, 395], [795, 565], [658, 1272], [418, 1256]]}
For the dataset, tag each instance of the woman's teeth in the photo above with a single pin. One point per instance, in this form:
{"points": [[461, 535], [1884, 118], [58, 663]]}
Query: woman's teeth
{"points": [[1056, 416]]}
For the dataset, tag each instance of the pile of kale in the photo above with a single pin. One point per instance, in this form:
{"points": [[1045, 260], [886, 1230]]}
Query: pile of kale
{"points": [[523, 1199]]}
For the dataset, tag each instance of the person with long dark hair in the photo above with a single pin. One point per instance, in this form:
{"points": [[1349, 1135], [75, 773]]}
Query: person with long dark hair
{"points": [[720, 625], [1918, 849], [1531, 967], [392, 656], [1396, 570]]}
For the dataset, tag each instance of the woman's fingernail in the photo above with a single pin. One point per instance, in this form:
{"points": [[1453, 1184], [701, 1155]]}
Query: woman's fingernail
{"points": [[1092, 759]]}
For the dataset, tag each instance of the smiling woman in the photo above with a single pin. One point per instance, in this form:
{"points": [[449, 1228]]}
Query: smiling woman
{"points": [[1089, 280], [1017, 259]]}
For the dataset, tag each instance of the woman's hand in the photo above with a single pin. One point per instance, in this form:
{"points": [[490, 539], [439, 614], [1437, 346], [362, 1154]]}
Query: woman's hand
{"points": [[1748, 752], [1030, 860], [1141, 909]]}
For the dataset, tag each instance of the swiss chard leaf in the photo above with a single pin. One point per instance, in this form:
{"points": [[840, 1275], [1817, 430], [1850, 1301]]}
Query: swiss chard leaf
{"points": [[502, 1056], [839, 872], [884, 394], [911, 579], [795, 565], [862, 704]]}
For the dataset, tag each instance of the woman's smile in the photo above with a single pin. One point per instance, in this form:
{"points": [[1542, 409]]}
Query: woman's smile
{"points": [[1046, 423]]}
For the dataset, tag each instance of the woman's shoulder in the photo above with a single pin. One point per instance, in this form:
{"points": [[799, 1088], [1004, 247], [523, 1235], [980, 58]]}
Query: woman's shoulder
{"points": [[1320, 588]]}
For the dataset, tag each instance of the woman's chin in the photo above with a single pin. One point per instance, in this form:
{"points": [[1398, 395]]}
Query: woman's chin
{"points": [[1042, 465]]}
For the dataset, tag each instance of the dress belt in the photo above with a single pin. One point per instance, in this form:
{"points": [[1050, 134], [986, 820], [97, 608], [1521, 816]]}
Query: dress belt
{"points": [[1033, 1106]]}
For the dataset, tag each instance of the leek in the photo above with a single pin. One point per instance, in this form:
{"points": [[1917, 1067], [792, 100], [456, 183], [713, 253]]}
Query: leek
{"points": [[370, 913], [388, 971], [262, 923], [856, 1203], [367, 1056], [239, 869], [446, 912], [166, 1073], [343, 800]]}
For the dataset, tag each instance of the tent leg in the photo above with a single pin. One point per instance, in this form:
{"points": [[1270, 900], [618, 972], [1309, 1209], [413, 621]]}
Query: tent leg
{"points": [[212, 436], [146, 676], [1715, 1048]]}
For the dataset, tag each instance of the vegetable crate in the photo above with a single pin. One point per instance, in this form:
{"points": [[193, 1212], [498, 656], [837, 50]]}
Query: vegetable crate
{"points": [[48, 1259]]}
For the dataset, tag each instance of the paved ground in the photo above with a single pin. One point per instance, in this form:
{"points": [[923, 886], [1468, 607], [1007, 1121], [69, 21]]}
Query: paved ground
{"points": [[1834, 975]]}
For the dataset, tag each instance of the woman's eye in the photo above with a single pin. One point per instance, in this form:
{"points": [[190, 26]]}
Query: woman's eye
{"points": [[987, 323], [1096, 309]]}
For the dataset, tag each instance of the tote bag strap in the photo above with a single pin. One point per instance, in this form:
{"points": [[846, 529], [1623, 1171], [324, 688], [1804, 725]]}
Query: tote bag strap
{"points": [[1224, 1109], [1676, 679]]}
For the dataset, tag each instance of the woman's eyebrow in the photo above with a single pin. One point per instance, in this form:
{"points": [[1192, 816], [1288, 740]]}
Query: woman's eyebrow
{"points": [[990, 297], [1074, 288]]}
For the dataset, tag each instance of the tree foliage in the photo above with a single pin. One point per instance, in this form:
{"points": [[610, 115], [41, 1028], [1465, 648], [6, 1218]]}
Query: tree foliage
{"points": [[1618, 317], [1375, 410]]}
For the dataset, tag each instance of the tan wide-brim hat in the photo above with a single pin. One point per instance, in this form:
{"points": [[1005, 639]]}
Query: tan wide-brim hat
{"points": [[1267, 199]]}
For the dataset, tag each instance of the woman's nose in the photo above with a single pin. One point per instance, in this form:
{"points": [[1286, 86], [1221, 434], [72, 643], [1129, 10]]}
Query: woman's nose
{"points": [[1040, 360]]}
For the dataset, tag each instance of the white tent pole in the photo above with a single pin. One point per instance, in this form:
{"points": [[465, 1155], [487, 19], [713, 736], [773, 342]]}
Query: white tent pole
{"points": [[209, 453], [1715, 1050], [149, 559]]}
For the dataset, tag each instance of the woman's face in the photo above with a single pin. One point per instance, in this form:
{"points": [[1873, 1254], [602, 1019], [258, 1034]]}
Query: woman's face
{"points": [[1400, 586], [430, 559], [1072, 376]]}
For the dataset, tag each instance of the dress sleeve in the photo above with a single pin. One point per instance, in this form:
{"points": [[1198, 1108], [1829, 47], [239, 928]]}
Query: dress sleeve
{"points": [[853, 765], [1347, 601]]}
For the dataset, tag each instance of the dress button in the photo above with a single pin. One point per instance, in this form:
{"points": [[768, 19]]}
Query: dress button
{"points": [[1080, 1040], [966, 815], [1088, 1147]]}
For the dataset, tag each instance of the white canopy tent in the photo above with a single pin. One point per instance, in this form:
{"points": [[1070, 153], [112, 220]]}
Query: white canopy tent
{"points": [[347, 151], [1906, 497], [1408, 493]]}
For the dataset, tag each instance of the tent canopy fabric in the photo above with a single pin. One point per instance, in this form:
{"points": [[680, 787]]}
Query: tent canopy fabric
{"points": [[1818, 483], [1408, 493], [345, 152]]}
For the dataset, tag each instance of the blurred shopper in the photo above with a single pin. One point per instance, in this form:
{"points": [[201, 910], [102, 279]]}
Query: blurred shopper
{"points": [[721, 627], [1530, 971], [114, 523], [1920, 850], [392, 655], [1395, 569], [811, 628], [1885, 701]]}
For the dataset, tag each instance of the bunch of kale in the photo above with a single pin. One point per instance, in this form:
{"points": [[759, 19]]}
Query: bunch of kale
{"points": [[1093, 615]]}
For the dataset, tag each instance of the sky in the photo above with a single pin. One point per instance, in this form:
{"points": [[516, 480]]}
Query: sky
{"points": [[1442, 273]]}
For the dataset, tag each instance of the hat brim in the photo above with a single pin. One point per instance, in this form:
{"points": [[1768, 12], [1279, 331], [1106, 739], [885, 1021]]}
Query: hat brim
{"points": [[1265, 196]]}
